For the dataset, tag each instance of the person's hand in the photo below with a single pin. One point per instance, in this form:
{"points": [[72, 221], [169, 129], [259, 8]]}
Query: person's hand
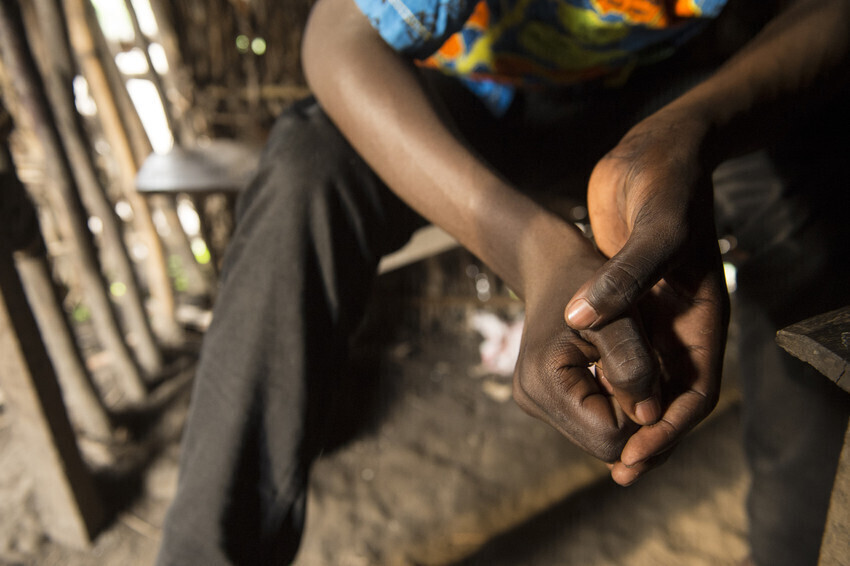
{"points": [[553, 380], [651, 211]]}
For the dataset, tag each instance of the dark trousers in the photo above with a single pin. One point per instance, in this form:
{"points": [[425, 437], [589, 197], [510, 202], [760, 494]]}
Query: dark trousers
{"points": [[787, 207], [311, 229]]}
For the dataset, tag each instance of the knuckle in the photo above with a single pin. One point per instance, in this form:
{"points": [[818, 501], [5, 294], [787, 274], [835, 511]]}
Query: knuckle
{"points": [[632, 372], [612, 165], [526, 387], [670, 430], [621, 283], [629, 363], [669, 226], [522, 400], [608, 448], [520, 393], [706, 401]]}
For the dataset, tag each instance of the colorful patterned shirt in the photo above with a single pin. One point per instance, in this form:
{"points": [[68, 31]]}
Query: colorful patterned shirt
{"points": [[497, 44]]}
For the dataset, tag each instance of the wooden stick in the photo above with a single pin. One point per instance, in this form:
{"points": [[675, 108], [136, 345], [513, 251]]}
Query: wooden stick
{"points": [[70, 507], [18, 60], [18, 215], [152, 75], [130, 146], [59, 74], [177, 77]]}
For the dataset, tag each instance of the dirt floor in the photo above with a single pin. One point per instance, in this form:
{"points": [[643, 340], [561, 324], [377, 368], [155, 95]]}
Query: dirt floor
{"points": [[453, 473]]}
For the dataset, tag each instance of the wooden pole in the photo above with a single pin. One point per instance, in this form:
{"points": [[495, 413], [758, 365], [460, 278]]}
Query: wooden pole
{"points": [[129, 145], [177, 240], [182, 134], [19, 63], [143, 44], [69, 505], [96, 57], [59, 73], [83, 400], [177, 77], [18, 218]]}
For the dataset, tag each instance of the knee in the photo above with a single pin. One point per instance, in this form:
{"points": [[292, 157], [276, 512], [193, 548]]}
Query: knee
{"points": [[304, 155]]}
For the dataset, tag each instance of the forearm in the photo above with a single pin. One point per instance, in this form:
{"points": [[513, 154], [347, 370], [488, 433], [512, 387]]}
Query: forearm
{"points": [[798, 61], [375, 98]]}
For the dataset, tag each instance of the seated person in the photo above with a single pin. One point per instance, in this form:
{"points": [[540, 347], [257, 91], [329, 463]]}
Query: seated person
{"points": [[471, 115]]}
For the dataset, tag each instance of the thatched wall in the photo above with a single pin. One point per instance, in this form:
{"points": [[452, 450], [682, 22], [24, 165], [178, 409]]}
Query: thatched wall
{"points": [[242, 57]]}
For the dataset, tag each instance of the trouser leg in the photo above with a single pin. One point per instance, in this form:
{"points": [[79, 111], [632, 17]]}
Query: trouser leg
{"points": [[794, 429], [311, 229], [785, 206]]}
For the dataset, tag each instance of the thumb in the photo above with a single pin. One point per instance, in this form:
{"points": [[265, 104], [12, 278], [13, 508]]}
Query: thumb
{"points": [[630, 368], [619, 283]]}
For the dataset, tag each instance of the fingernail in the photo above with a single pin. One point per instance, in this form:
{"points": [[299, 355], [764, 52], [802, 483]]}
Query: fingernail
{"points": [[649, 411], [581, 314]]}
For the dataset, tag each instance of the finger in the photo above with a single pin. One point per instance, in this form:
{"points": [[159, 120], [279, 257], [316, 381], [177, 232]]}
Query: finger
{"points": [[627, 475], [577, 408], [684, 414], [622, 280], [555, 386], [630, 368], [692, 352]]}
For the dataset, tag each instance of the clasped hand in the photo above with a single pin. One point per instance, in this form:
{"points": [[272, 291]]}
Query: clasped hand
{"points": [[653, 316]]}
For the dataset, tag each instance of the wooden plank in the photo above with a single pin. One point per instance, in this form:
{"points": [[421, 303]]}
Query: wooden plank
{"points": [[835, 548], [823, 342], [68, 503]]}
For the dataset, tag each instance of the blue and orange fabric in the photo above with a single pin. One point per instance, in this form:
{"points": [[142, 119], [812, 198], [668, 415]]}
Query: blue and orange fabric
{"points": [[507, 43]]}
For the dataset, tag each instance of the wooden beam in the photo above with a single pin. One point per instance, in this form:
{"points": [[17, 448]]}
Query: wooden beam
{"points": [[59, 73], [20, 231], [68, 503], [30, 91], [129, 145]]}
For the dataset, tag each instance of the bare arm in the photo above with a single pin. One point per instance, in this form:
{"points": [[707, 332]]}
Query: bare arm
{"points": [[375, 98]]}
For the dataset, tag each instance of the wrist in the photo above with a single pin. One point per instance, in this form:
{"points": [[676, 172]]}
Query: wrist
{"points": [[692, 128], [554, 255]]}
